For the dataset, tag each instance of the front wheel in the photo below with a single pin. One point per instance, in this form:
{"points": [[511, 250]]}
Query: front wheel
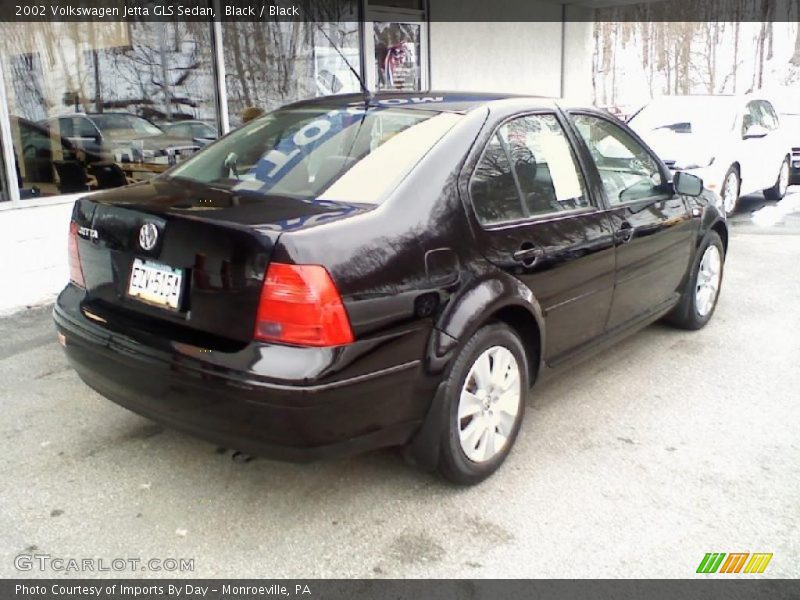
{"points": [[731, 186], [485, 396], [699, 297], [778, 191]]}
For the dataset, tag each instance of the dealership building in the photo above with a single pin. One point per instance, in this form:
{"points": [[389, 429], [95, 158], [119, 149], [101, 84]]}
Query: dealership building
{"points": [[86, 106]]}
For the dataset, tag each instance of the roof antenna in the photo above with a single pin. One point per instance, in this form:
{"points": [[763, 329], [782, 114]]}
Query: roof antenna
{"points": [[368, 95]]}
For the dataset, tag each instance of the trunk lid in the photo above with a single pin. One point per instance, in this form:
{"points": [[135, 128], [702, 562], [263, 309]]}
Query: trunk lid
{"points": [[215, 244]]}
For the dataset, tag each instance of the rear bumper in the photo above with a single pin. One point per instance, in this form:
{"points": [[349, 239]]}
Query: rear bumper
{"points": [[237, 408]]}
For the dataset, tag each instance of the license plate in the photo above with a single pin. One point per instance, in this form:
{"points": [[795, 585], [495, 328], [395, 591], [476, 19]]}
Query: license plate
{"points": [[155, 283]]}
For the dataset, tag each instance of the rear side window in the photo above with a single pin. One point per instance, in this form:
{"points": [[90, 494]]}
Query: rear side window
{"points": [[527, 170], [546, 169], [494, 193]]}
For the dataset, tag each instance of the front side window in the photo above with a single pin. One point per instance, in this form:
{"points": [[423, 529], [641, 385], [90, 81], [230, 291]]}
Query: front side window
{"points": [[628, 171], [767, 116], [752, 117]]}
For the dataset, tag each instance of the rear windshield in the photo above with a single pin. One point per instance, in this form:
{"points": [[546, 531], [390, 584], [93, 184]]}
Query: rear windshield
{"points": [[339, 153]]}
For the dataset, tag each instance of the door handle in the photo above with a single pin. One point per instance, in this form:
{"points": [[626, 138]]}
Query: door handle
{"points": [[528, 254], [625, 233]]}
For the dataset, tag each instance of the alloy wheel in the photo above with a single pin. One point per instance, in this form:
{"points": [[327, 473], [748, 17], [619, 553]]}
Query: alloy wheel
{"points": [[730, 192], [708, 279], [783, 179], [489, 404]]}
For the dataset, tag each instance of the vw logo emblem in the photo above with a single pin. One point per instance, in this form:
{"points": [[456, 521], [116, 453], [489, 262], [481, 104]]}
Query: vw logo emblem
{"points": [[148, 236]]}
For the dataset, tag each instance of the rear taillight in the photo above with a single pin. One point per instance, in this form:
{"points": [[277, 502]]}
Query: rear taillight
{"points": [[75, 270], [301, 305]]}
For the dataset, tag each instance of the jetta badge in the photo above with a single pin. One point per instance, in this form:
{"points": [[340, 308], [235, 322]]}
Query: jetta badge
{"points": [[148, 236]]}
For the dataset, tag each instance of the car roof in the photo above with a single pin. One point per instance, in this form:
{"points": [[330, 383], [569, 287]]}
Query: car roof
{"points": [[437, 100]]}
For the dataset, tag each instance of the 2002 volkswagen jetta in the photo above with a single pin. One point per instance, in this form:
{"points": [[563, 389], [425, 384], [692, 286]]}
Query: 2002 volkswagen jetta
{"points": [[349, 273]]}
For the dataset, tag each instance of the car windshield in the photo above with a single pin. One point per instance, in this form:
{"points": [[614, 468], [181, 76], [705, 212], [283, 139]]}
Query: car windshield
{"points": [[341, 153], [687, 114], [117, 124]]}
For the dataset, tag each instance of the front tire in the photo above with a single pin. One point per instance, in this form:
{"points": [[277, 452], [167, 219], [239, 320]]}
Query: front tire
{"points": [[700, 295], [485, 400], [778, 191], [731, 186]]}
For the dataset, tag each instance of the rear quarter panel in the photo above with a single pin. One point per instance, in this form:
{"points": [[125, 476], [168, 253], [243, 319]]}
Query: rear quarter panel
{"points": [[399, 266]]}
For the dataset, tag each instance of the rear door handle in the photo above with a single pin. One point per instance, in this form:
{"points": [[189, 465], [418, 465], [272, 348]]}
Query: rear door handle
{"points": [[528, 254]]}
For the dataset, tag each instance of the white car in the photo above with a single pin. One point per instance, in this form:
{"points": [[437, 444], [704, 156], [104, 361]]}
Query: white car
{"points": [[734, 144]]}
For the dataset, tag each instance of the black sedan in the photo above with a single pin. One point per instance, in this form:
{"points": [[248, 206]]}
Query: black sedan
{"points": [[349, 273]]}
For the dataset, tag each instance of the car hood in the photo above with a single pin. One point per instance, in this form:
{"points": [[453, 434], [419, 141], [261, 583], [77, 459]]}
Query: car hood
{"points": [[683, 147]]}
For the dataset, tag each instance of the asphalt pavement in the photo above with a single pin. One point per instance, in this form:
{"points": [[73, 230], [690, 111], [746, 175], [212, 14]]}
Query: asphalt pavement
{"points": [[635, 464]]}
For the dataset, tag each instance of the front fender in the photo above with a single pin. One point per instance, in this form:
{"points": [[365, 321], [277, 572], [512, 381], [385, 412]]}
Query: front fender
{"points": [[711, 217]]}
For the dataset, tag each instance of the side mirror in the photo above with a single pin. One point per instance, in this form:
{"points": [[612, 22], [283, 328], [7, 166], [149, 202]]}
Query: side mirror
{"points": [[687, 184], [755, 131]]}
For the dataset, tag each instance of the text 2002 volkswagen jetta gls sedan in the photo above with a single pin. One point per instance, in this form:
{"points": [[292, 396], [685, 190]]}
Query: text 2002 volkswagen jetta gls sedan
{"points": [[344, 274]]}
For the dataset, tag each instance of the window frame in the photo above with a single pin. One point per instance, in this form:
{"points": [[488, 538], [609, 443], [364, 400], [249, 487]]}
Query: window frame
{"points": [[527, 218], [662, 168]]}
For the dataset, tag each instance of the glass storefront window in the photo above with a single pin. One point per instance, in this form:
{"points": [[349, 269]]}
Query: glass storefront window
{"points": [[100, 105], [3, 183], [398, 55], [273, 63]]}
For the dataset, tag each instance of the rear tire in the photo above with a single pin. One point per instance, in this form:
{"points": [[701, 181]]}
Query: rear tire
{"points": [[731, 186], [699, 297], [485, 400], [778, 191]]}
